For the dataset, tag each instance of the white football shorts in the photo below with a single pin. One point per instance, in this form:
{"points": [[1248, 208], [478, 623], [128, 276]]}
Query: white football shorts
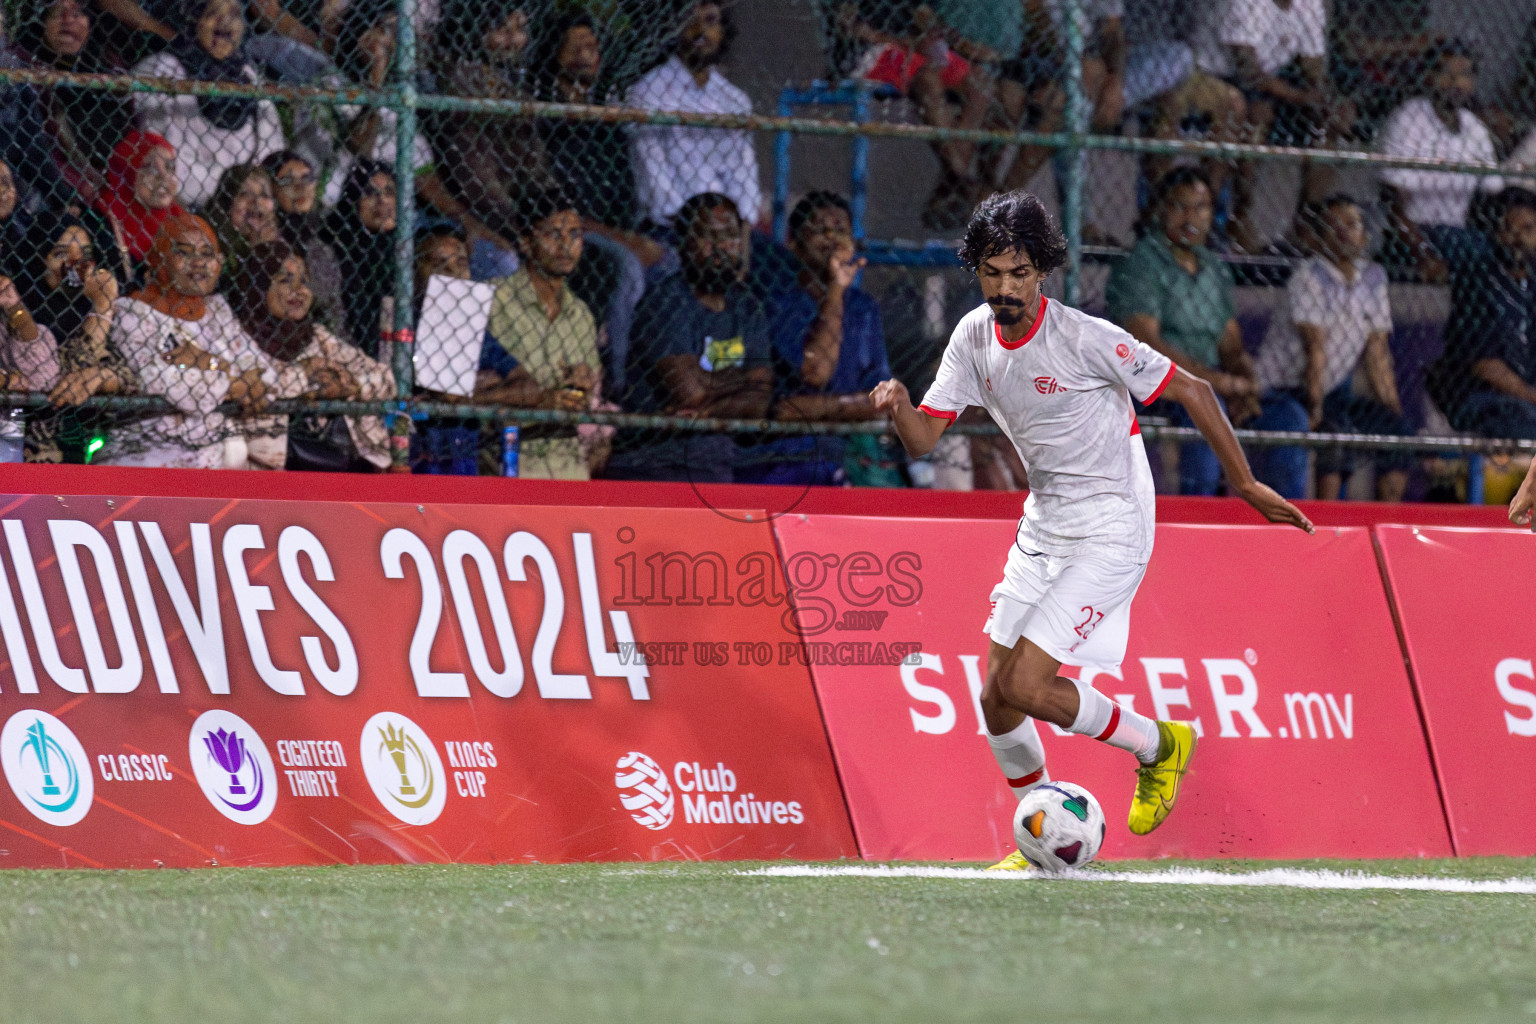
{"points": [[1076, 608]]}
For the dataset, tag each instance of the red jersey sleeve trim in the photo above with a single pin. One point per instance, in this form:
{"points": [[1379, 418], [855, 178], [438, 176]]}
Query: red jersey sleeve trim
{"points": [[938, 414], [1172, 369], [1034, 329]]}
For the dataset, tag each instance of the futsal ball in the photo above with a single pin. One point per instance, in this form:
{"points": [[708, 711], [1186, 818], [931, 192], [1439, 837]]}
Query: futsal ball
{"points": [[1058, 826]]}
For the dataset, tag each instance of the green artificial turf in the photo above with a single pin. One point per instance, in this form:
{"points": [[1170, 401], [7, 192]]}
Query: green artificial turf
{"points": [[685, 942]]}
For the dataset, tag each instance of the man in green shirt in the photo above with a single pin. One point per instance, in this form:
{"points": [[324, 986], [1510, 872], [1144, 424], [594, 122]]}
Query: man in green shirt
{"points": [[1176, 295], [540, 349]]}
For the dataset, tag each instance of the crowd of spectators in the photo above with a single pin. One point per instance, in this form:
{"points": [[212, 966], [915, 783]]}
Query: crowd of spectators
{"points": [[223, 251]]}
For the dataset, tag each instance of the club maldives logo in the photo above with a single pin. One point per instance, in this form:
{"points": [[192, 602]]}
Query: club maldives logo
{"points": [[46, 767], [403, 768], [644, 790], [233, 767]]}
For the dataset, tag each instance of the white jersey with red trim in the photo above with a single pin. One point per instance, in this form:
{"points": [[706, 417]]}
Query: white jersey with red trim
{"points": [[1062, 395]]}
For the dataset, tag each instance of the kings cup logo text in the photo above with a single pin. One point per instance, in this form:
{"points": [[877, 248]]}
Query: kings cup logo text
{"points": [[403, 768], [710, 794], [233, 767], [46, 767], [644, 790]]}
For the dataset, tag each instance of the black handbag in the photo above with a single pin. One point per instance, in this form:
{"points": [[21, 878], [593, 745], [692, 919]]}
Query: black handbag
{"points": [[323, 444]]}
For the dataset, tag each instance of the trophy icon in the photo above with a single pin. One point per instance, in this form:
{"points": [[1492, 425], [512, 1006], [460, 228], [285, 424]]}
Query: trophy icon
{"points": [[394, 742], [39, 741], [228, 750]]}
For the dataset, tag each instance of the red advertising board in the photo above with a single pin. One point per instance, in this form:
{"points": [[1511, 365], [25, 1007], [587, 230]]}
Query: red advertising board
{"points": [[1471, 644], [198, 681], [1280, 646]]}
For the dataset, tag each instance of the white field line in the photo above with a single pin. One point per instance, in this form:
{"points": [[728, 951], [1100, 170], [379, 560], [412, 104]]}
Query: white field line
{"points": [[1290, 878]]}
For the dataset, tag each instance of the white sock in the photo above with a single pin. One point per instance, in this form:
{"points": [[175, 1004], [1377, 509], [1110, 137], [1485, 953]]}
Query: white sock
{"points": [[1021, 757], [1108, 722]]}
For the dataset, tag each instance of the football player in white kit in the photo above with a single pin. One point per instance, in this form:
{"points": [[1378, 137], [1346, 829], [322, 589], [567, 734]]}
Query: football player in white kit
{"points": [[1059, 384]]}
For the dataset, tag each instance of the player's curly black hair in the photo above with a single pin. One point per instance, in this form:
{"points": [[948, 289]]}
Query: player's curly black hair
{"points": [[1008, 222]]}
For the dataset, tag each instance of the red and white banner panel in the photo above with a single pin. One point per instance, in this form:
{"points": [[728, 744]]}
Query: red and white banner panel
{"points": [[1280, 647], [198, 681], [1472, 644]]}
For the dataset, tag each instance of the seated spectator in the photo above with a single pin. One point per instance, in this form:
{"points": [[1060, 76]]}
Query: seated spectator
{"points": [[828, 348], [365, 53], [1428, 209], [539, 327], [185, 345], [1276, 53], [591, 161], [443, 445], [1485, 383], [68, 292], [243, 213], [487, 159], [909, 49], [299, 221], [77, 127], [29, 361], [272, 301], [18, 208], [361, 232], [210, 133], [675, 162], [140, 196], [1337, 320], [1177, 296], [141, 27], [700, 348]]}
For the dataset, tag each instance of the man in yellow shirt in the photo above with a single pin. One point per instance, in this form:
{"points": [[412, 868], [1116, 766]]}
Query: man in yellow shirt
{"points": [[540, 349]]}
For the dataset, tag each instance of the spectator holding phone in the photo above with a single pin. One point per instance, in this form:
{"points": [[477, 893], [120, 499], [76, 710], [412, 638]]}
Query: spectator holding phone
{"points": [[68, 292]]}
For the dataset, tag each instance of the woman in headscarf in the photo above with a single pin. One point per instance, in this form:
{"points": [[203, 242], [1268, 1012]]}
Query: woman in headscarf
{"points": [[272, 302], [185, 344], [299, 221], [361, 231], [78, 127], [28, 362], [211, 133], [243, 212], [14, 212], [67, 291], [142, 183]]}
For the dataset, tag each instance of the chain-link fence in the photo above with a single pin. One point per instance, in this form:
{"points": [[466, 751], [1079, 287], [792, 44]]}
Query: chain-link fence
{"points": [[628, 250]]}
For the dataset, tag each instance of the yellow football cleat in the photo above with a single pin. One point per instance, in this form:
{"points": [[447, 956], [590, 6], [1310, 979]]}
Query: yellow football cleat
{"points": [[1013, 862], [1157, 784]]}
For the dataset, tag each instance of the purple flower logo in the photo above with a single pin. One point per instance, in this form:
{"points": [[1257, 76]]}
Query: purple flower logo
{"points": [[228, 751]]}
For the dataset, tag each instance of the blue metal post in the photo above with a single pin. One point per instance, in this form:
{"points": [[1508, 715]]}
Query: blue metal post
{"points": [[1077, 126], [858, 187], [405, 203], [781, 142]]}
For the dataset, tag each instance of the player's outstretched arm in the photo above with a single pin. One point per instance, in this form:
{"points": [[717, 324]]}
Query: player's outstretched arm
{"points": [[1525, 499], [918, 431], [1196, 396]]}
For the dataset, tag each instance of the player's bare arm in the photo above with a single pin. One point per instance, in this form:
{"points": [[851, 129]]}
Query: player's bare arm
{"points": [[918, 431], [1525, 500], [1199, 399]]}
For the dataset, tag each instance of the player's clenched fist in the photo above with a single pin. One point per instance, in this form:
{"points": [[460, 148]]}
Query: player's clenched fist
{"points": [[889, 396], [1525, 500]]}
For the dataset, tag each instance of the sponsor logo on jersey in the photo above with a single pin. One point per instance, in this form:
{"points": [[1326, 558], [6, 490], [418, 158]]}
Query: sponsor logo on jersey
{"points": [[46, 767], [1048, 386], [232, 767], [1123, 350], [710, 795], [403, 768]]}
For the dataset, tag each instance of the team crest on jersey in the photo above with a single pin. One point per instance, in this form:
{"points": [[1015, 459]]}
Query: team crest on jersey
{"points": [[1048, 386]]}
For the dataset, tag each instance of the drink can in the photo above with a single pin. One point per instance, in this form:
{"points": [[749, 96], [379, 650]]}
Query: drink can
{"points": [[509, 445]]}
